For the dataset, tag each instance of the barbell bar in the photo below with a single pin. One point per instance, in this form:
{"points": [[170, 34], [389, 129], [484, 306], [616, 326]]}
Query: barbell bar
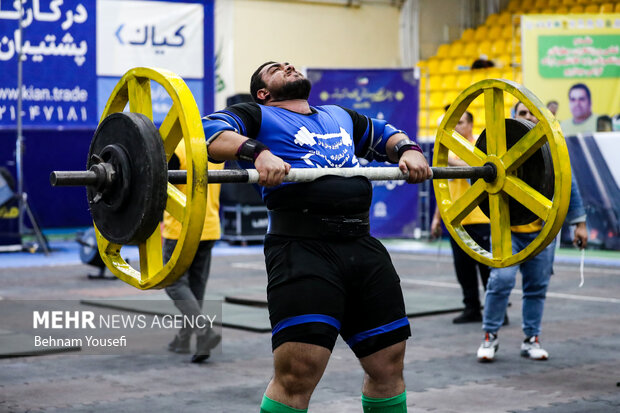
{"points": [[487, 172]]}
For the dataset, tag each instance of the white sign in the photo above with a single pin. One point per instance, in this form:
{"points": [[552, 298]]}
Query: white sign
{"points": [[150, 33]]}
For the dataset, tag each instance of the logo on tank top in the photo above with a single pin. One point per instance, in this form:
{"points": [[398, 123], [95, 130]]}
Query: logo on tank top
{"points": [[334, 148]]}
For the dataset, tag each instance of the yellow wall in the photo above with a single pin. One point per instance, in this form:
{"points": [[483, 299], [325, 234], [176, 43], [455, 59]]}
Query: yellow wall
{"points": [[312, 35]]}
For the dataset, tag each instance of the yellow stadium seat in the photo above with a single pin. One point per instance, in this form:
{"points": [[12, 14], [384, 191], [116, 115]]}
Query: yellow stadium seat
{"points": [[442, 50], [423, 100], [569, 3], [433, 65], [503, 60], [423, 118], [470, 50], [468, 35], [555, 3], [519, 77], [446, 66], [607, 8], [513, 6], [434, 82], [508, 73], [492, 19], [495, 32], [504, 19], [478, 102], [527, 5], [576, 9], [592, 8], [436, 100], [541, 4], [462, 63], [449, 82], [450, 96], [507, 32], [463, 80], [481, 33], [456, 49], [562, 10], [484, 47], [547, 11], [617, 8], [495, 73], [499, 47], [435, 117], [478, 75], [423, 81]]}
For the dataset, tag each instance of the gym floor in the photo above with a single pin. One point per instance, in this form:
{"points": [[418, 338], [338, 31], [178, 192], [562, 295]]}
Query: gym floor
{"points": [[581, 331]]}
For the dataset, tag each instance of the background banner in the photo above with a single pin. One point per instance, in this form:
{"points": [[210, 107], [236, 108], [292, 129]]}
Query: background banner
{"points": [[562, 50], [74, 53], [595, 165], [390, 94], [58, 48]]}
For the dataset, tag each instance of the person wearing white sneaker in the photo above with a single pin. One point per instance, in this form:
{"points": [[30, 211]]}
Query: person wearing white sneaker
{"points": [[531, 348], [488, 348], [536, 274]]}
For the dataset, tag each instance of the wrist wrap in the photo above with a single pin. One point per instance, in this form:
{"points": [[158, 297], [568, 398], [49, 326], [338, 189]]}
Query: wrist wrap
{"points": [[405, 145], [250, 149]]}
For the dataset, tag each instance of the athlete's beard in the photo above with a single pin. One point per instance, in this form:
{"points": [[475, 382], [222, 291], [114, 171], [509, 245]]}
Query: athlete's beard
{"points": [[297, 89]]}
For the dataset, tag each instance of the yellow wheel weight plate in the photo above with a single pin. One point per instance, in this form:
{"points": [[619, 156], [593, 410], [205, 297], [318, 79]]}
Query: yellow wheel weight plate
{"points": [[453, 211], [181, 122]]}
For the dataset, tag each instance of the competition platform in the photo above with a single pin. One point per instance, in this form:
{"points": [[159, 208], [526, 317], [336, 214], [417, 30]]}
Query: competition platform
{"points": [[580, 331]]}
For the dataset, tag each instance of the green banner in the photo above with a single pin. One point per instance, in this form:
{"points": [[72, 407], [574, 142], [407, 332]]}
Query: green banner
{"points": [[581, 56]]}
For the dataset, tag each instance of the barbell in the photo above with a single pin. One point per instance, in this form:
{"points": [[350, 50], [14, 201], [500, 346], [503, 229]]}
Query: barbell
{"points": [[520, 172]]}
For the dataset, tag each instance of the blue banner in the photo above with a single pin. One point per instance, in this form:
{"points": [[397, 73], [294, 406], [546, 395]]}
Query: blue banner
{"points": [[73, 53], [390, 94], [57, 45]]}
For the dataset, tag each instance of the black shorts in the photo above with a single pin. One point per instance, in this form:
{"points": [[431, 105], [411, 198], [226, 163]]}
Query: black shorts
{"points": [[320, 288]]}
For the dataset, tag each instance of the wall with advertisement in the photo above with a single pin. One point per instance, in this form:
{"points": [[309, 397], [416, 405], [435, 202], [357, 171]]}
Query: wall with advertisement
{"points": [[390, 94], [562, 50], [74, 52]]}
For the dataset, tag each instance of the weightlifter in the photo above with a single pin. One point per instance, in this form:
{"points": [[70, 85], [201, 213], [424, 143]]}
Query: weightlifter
{"points": [[326, 274]]}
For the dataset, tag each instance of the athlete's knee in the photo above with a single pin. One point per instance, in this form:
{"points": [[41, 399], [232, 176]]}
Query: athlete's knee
{"points": [[386, 365], [298, 371]]}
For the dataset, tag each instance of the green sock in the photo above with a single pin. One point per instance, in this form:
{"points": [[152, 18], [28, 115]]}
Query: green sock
{"points": [[396, 404], [272, 406]]}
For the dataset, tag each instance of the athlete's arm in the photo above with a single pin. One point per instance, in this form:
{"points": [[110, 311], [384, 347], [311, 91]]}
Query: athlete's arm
{"points": [[411, 160], [230, 136]]}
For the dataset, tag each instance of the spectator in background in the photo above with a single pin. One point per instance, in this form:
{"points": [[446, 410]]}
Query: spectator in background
{"points": [[522, 112], [477, 226], [552, 105], [188, 291], [616, 122], [536, 274], [482, 63], [604, 123], [580, 102]]}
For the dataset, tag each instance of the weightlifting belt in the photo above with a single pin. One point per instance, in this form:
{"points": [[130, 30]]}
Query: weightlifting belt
{"points": [[307, 225]]}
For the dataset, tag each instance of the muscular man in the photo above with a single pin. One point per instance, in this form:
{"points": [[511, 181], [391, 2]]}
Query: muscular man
{"points": [[477, 226], [536, 273], [326, 274]]}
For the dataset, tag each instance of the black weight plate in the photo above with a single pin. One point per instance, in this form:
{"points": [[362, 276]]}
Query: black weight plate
{"points": [[144, 194], [537, 171]]}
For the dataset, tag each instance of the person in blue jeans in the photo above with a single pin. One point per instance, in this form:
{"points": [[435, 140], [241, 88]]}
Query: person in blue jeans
{"points": [[536, 273]]}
